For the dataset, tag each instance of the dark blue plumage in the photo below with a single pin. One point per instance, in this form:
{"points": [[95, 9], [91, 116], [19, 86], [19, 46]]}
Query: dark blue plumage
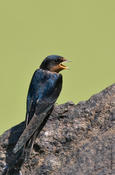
{"points": [[42, 85], [41, 90]]}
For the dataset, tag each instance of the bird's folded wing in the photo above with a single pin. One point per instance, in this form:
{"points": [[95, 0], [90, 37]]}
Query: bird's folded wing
{"points": [[34, 124], [42, 108]]}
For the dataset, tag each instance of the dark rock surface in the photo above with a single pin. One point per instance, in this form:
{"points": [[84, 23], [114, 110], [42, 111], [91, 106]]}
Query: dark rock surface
{"points": [[77, 139]]}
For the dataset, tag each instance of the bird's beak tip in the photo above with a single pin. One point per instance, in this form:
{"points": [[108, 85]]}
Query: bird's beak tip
{"points": [[66, 60]]}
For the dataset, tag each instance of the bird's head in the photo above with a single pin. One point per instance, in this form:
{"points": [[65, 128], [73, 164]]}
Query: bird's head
{"points": [[53, 63]]}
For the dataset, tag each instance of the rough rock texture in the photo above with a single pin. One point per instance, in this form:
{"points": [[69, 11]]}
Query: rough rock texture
{"points": [[77, 139]]}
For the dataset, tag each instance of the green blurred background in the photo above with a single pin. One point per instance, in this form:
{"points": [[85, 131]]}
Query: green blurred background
{"points": [[81, 30]]}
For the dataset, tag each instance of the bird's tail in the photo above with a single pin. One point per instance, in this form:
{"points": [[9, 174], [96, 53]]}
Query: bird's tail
{"points": [[17, 160], [13, 171], [14, 166]]}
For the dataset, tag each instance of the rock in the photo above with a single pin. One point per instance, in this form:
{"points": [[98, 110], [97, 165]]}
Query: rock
{"points": [[77, 139]]}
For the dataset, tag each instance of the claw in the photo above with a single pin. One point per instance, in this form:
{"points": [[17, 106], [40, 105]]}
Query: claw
{"points": [[6, 167], [20, 173]]}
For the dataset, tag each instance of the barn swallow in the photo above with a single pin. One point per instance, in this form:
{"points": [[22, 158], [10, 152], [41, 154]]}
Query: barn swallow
{"points": [[44, 89]]}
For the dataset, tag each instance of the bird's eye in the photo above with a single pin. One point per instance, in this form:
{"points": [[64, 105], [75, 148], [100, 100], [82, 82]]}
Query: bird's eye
{"points": [[56, 61]]}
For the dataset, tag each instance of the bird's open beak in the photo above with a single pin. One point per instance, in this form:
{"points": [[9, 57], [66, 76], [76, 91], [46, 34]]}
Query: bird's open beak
{"points": [[63, 66]]}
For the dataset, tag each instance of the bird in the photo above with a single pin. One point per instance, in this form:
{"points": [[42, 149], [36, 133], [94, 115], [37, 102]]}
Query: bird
{"points": [[44, 89]]}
